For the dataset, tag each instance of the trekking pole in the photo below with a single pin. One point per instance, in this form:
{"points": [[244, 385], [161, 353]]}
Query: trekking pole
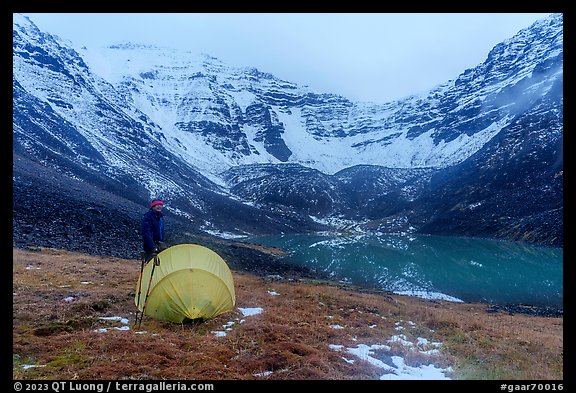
{"points": [[143, 257], [156, 263]]}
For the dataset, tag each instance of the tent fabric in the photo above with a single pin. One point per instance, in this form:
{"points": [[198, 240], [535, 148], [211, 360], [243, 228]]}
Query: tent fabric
{"points": [[191, 282]]}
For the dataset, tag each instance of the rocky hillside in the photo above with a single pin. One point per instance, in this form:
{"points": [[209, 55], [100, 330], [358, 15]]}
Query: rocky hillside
{"points": [[240, 151]]}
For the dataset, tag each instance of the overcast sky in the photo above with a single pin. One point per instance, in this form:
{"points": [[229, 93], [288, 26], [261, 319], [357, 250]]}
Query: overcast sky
{"points": [[363, 56]]}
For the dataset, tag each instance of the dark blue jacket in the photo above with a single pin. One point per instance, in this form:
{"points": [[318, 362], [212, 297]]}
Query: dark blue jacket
{"points": [[152, 229]]}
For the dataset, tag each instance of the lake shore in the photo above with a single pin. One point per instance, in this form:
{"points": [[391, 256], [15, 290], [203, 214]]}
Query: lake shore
{"points": [[285, 265], [305, 328]]}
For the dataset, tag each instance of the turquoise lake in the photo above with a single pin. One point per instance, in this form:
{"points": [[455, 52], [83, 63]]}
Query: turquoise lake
{"points": [[436, 267]]}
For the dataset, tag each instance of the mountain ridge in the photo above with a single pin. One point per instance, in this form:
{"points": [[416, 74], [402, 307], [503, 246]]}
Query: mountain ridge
{"points": [[182, 130]]}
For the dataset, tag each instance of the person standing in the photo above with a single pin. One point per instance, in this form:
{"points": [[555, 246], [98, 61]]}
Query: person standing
{"points": [[152, 229]]}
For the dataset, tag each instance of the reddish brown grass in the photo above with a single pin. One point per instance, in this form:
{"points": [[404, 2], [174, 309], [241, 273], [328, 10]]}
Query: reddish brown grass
{"points": [[290, 338]]}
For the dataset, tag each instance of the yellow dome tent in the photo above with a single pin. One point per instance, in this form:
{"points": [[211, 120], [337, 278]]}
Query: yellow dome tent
{"points": [[191, 282]]}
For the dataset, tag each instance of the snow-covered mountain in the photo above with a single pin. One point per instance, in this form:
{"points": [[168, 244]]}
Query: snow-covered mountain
{"points": [[69, 119], [216, 116], [142, 121]]}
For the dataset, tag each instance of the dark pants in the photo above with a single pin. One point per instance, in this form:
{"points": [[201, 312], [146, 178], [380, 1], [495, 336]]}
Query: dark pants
{"points": [[148, 255]]}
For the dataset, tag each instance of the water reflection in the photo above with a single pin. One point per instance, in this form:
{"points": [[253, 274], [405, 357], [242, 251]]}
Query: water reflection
{"points": [[453, 268]]}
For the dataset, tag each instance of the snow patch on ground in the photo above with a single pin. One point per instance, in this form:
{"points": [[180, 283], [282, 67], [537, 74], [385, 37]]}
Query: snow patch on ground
{"points": [[224, 235], [403, 371], [122, 320], [103, 330], [429, 295], [27, 366], [247, 312], [263, 374], [117, 319], [394, 366]]}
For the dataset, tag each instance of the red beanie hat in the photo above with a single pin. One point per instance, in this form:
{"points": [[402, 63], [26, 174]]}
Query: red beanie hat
{"points": [[156, 202]]}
